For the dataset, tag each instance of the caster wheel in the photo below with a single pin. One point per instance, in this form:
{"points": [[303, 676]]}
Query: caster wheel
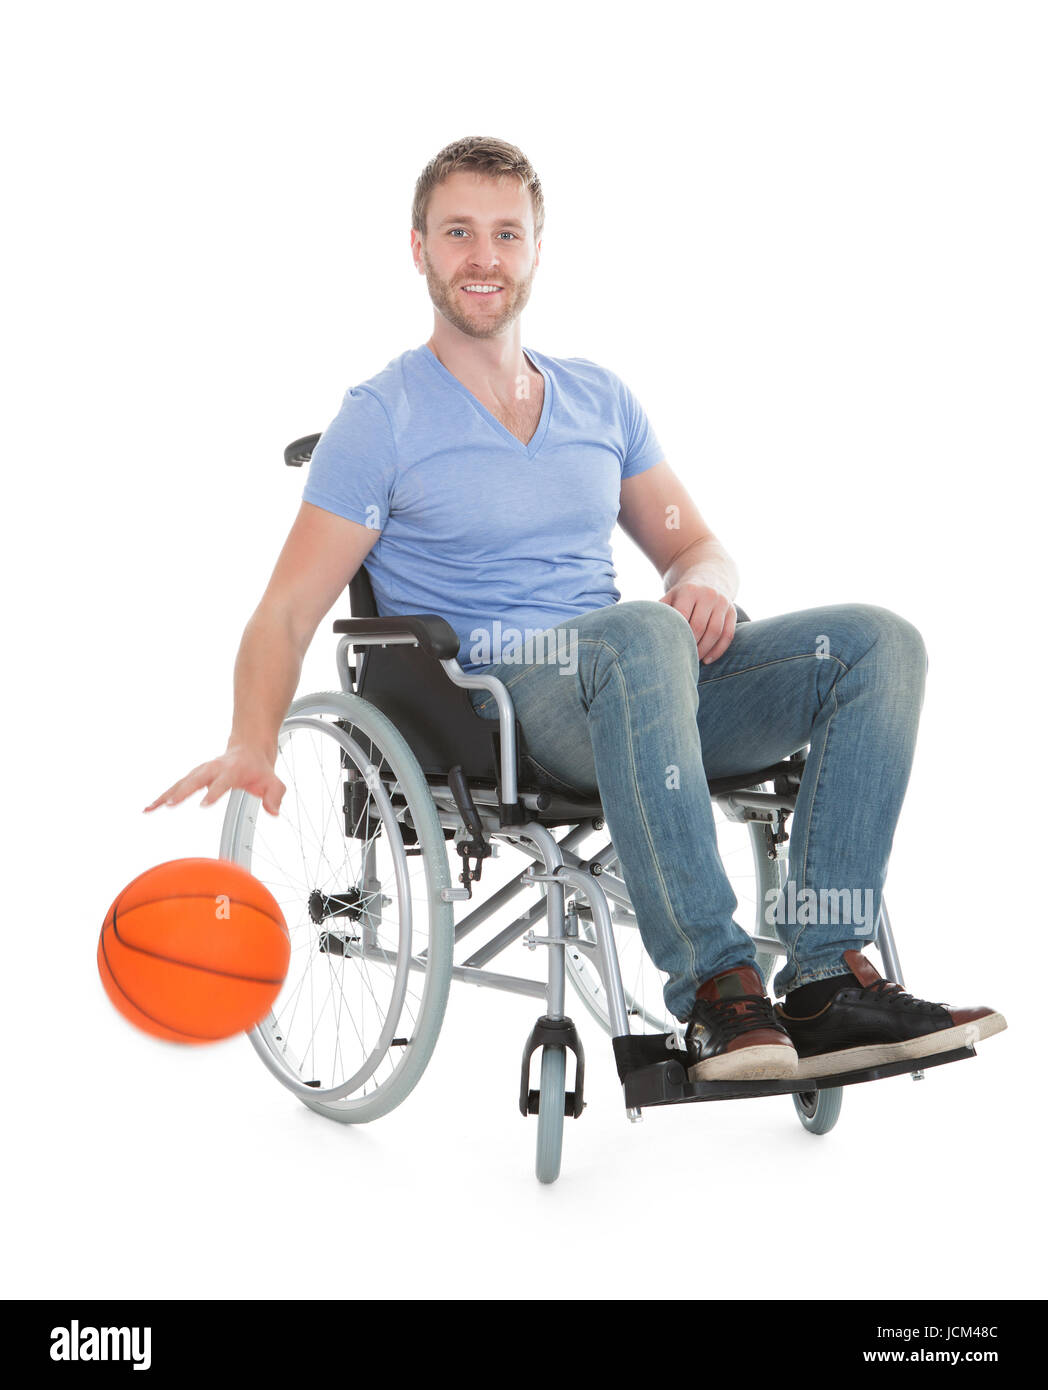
{"points": [[551, 1115], [819, 1111]]}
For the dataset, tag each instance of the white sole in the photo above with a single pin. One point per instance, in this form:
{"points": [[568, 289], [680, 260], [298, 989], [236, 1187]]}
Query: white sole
{"points": [[771, 1063], [879, 1054]]}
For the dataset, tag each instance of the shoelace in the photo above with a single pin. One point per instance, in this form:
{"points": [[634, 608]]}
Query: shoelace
{"points": [[888, 992], [740, 1014]]}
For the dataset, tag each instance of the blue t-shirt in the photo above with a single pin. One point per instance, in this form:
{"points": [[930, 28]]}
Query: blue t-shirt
{"points": [[494, 535]]}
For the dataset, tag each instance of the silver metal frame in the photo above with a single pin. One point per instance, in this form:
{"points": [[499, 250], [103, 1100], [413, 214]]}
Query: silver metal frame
{"points": [[562, 870], [507, 725]]}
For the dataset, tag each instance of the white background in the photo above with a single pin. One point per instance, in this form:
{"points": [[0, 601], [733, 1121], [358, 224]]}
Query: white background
{"points": [[810, 237]]}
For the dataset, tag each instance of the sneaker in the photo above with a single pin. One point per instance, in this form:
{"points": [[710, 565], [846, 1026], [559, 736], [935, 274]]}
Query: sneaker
{"points": [[732, 1034], [871, 1021]]}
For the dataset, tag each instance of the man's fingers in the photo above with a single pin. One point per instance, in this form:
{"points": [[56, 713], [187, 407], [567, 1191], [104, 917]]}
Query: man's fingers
{"points": [[168, 798], [711, 619], [274, 794], [696, 615], [218, 788], [221, 775], [678, 607], [181, 789], [712, 635], [725, 639]]}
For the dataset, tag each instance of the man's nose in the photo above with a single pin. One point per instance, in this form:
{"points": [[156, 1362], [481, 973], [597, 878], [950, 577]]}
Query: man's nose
{"points": [[484, 253]]}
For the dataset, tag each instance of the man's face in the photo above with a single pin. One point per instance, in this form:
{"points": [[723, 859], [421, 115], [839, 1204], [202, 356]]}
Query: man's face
{"points": [[479, 231]]}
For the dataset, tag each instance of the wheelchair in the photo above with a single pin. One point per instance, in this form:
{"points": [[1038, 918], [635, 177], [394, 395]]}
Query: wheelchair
{"points": [[388, 775]]}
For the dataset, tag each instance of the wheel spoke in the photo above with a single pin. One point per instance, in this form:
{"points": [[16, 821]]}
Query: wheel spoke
{"points": [[350, 898]]}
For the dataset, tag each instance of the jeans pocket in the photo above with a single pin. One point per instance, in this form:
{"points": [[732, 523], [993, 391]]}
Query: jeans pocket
{"points": [[485, 705], [536, 775]]}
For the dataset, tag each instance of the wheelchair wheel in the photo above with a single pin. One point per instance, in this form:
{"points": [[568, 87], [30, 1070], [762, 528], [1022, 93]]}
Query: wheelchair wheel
{"points": [[743, 850], [551, 1115], [357, 860], [819, 1111]]}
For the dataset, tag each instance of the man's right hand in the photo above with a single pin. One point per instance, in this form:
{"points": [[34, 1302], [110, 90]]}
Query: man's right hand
{"points": [[249, 769]]}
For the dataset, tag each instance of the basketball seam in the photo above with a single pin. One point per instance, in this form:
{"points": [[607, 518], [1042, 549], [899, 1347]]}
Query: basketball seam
{"points": [[189, 965], [200, 1037], [152, 902], [210, 863]]}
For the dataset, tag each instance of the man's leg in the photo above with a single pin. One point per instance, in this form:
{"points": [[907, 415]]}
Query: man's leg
{"points": [[623, 723], [849, 680]]}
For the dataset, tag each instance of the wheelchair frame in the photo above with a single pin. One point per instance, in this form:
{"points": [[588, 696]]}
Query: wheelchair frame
{"points": [[410, 672]]}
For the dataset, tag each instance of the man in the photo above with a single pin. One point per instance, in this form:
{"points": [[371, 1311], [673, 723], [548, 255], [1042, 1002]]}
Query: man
{"points": [[483, 482]]}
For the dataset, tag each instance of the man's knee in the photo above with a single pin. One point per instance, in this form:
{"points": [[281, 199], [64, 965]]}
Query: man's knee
{"points": [[643, 626], [648, 641], [867, 630]]}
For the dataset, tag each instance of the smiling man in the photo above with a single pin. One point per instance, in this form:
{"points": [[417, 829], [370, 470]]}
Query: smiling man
{"points": [[482, 481]]}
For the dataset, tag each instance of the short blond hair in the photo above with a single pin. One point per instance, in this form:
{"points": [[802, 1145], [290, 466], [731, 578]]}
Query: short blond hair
{"points": [[480, 154]]}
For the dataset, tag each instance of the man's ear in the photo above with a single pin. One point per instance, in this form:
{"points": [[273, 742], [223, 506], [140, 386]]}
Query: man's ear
{"points": [[416, 251]]}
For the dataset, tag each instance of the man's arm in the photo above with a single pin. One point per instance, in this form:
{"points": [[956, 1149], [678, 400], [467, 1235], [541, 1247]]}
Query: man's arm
{"points": [[321, 555], [698, 574]]}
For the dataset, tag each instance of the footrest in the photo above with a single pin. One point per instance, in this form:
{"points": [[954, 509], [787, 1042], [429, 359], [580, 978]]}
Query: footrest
{"points": [[654, 1073]]}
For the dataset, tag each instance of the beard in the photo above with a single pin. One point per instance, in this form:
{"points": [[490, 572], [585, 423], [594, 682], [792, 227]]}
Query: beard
{"points": [[448, 300]]}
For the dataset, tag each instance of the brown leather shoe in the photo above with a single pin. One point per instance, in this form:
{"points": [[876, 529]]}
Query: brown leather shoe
{"points": [[871, 1021], [732, 1033]]}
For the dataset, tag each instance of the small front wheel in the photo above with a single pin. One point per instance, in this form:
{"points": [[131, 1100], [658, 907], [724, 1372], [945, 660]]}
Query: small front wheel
{"points": [[819, 1111], [551, 1115]]}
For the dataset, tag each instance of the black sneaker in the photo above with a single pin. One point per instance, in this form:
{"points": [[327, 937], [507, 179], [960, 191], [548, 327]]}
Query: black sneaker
{"points": [[871, 1021], [733, 1035]]}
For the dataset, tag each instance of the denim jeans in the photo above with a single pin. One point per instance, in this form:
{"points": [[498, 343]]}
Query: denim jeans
{"points": [[616, 703]]}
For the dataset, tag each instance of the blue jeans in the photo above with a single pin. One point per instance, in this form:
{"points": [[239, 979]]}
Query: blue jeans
{"points": [[620, 706]]}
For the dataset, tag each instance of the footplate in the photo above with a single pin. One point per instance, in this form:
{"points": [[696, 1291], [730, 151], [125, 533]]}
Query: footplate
{"points": [[652, 1072], [552, 1032]]}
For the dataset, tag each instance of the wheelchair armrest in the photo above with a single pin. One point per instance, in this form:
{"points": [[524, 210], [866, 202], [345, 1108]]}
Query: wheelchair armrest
{"points": [[433, 634]]}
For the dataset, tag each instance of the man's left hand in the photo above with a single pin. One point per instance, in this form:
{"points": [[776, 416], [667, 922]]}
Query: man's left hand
{"points": [[710, 615]]}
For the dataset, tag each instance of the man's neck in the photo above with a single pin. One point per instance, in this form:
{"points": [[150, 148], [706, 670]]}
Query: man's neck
{"points": [[486, 366]]}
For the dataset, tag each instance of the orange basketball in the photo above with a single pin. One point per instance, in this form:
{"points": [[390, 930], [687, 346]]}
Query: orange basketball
{"points": [[194, 950]]}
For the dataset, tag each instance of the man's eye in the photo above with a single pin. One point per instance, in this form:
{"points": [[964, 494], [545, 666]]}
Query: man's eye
{"points": [[453, 231]]}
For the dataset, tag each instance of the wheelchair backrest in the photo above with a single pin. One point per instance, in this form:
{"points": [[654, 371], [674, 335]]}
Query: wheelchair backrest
{"points": [[434, 715]]}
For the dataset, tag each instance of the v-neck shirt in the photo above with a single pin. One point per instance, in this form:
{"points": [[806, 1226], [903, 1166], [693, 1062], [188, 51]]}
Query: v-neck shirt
{"points": [[497, 536], [531, 446]]}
